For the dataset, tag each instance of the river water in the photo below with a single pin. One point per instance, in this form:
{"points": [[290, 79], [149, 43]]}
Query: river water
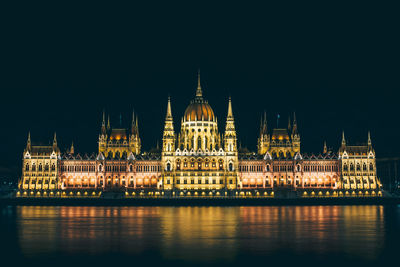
{"points": [[295, 235]]}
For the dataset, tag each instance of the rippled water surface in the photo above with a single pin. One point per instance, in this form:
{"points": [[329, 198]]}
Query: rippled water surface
{"points": [[328, 235]]}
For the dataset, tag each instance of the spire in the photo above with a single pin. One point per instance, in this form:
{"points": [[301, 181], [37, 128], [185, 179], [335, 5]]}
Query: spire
{"points": [[289, 126], [133, 125], [137, 125], [72, 150], [230, 122], [325, 148], [108, 123], [230, 113], [169, 113], [199, 93], [294, 129], [55, 140], [369, 139], [103, 123], [265, 124], [343, 139], [168, 145], [169, 125], [28, 142]]}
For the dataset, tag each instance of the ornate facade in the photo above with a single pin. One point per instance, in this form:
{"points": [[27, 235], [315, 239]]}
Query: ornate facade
{"points": [[199, 160]]}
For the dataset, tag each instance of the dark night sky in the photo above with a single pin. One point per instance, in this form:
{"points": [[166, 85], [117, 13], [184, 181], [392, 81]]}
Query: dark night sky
{"points": [[337, 66]]}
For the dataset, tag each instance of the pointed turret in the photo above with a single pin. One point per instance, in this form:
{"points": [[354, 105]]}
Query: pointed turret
{"points": [[103, 124], [133, 125], [263, 139], [108, 123], [261, 125], [199, 93], [294, 131], [230, 113], [137, 125], [325, 148], [72, 149], [369, 139], [169, 134], [230, 132], [55, 140], [289, 126], [265, 129], [28, 142], [343, 139], [295, 135], [169, 112], [134, 139]]}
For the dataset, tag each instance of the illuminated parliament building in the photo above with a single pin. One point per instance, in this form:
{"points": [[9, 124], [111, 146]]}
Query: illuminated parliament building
{"points": [[199, 160]]}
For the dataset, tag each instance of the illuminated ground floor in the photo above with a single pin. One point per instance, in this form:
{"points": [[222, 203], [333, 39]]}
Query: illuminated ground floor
{"points": [[222, 193]]}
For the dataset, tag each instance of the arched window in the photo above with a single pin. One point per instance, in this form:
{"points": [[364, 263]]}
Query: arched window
{"points": [[371, 167], [40, 167], [168, 167], [34, 167], [100, 168], [351, 167], [192, 142], [358, 167], [268, 168], [298, 168], [130, 168], [230, 166], [46, 167], [364, 167], [53, 167], [206, 142], [199, 143], [345, 168], [27, 167]]}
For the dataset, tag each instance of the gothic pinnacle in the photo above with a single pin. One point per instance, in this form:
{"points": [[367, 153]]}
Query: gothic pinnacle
{"points": [[230, 114], [199, 92], [169, 113]]}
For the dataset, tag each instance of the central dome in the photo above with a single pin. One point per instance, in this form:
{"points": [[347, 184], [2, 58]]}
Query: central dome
{"points": [[199, 109]]}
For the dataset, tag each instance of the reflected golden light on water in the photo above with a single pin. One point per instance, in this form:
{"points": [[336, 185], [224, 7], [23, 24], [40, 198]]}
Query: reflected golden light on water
{"points": [[201, 233]]}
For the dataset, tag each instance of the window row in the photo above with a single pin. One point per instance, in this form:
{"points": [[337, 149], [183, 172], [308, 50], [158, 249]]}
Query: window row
{"points": [[40, 167]]}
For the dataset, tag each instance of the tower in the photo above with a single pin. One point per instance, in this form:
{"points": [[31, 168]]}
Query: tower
{"points": [[103, 133], [231, 153], [295, 136], [264, 138], [134, 139], [169, 134], [230, 145], [168, 147]]}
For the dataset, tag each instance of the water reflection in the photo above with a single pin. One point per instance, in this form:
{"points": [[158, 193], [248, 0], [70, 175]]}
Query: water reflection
{"points": [[202, 234]]}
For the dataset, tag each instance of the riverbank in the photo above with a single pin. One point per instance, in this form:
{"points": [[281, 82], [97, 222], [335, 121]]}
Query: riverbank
{"points": [[199, 201]]}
